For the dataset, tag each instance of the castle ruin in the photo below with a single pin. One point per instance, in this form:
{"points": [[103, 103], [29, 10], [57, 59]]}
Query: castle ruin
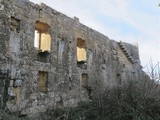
{"points": [[50, 60]]}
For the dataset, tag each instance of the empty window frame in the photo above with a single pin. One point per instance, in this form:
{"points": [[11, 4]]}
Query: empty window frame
{"points": [[42, 81], [81, 50], [42, 38], [84, 80]]}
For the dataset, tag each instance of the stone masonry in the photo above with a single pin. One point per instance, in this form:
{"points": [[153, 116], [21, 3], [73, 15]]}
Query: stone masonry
{"points": [[50, 60]]}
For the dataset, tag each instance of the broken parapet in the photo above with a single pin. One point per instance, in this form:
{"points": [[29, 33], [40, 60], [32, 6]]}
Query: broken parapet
{"points": [[130, 51]]}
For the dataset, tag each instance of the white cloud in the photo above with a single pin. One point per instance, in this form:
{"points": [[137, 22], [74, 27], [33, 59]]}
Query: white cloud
{"points": [[146, 23]]}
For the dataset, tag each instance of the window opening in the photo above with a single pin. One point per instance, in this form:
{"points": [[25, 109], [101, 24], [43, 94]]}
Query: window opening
{"points": [[42, 81], [81, 50], [42, 38]]}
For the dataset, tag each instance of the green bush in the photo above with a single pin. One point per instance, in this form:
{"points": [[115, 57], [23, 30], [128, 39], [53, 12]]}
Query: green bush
{"points": [[10, 116]]}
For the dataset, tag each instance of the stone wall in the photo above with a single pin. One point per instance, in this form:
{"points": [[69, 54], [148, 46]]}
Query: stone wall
{"points": [[107, 62]]}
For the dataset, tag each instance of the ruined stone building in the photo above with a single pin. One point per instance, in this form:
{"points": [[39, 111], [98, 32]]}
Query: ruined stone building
{"points": [[50, 60]]}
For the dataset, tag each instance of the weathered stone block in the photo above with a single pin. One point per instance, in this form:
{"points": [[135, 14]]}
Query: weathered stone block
{"points": [[18, 83], [1, 7], [11, 83]]}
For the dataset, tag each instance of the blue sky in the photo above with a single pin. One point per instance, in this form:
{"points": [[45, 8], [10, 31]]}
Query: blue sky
{"points": [[126, 20]]}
